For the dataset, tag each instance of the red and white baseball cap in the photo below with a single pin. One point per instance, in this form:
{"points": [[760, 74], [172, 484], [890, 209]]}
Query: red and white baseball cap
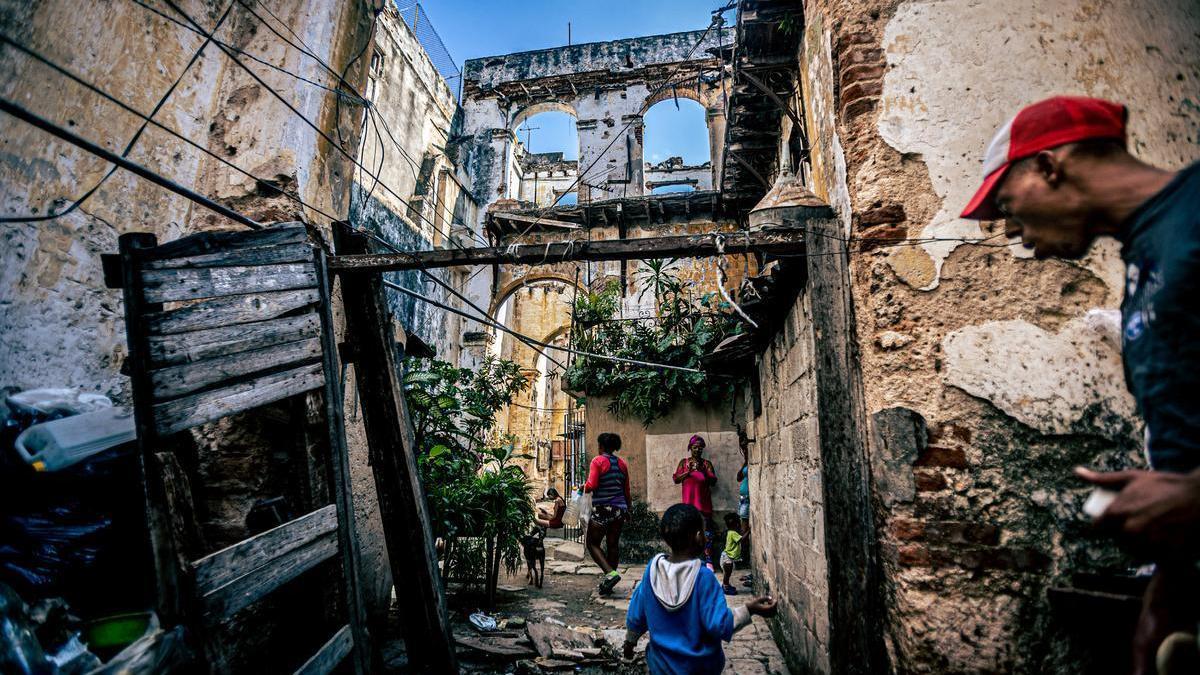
{"points": [[1041, 126]]}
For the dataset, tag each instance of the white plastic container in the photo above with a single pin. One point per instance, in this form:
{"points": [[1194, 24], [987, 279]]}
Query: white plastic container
{"points": [[57, 444]]}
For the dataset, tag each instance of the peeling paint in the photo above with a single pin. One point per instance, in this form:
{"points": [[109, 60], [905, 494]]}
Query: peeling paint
{"points": [[960, 68], [1057, 383]]}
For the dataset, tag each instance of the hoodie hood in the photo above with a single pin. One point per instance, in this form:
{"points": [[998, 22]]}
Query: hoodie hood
{"points": [[673, 583]]}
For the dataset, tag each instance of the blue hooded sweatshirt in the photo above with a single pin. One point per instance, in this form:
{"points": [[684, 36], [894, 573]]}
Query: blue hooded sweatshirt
{"points": [[684, 608]]}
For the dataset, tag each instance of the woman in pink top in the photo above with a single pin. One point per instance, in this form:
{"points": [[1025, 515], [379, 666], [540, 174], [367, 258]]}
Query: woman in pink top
{"points": [[697, 476]]}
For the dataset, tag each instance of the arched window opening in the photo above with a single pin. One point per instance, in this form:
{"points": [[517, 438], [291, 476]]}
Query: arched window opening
{"points": [[676, 147], [546, 158]]}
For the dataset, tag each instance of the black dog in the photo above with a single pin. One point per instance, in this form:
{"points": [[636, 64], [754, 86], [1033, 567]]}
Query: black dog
{"points": [[535, 555]]}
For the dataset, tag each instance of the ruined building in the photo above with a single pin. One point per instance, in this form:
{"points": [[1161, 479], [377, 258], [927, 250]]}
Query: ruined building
{"points": [[919, 405], [915, 393]]}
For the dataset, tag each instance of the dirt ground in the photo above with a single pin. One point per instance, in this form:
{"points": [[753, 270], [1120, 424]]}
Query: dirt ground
{"points": [[568, 608]]}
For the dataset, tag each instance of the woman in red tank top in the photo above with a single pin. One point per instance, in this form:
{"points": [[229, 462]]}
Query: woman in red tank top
{"points": [[608, 483]]}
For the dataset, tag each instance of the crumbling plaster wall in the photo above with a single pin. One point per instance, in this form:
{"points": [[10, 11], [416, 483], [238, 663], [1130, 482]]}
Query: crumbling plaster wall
{"points": [[59, 325], [408, 144], [987, 374]]}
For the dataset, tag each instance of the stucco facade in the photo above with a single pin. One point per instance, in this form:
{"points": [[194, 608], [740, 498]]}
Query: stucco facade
{"points": [[987, 375]]}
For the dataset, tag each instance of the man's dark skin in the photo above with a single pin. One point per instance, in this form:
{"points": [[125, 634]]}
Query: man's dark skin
{"points": [[1058, 202]]}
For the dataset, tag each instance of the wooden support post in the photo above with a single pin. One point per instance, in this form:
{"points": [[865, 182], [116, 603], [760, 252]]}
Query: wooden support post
{"points": [[769, 242], [366, 658], [856, 614], [170, 596], [406, 526]]}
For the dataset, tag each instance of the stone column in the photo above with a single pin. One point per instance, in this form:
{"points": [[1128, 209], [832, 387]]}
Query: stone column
{"points": [[716, 142]]}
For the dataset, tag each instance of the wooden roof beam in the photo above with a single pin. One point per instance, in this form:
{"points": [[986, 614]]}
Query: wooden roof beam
{"points": [[772, 242]]}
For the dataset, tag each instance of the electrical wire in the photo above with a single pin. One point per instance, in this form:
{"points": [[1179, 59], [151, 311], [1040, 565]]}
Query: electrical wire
{"points": [[4, 39], [545, 345], [357, 99], [341, 150], [154, 177], [150, 175], [279, 97], [201, 200], [132, 141]]}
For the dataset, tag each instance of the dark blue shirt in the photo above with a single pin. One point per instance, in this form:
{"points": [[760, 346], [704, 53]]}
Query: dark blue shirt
{"points": [[1160, 318]]}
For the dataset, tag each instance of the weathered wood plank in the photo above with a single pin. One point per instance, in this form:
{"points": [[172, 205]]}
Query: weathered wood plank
{"points": [[178, 380], [266, 255], [190, 411], [330, 655], [215, 282], [169, 594], [247, 589], [228, 240], [366, 658], [223, 567], [393, 457], [229, 311], [180, 507], [770, 242], [190, 347]]}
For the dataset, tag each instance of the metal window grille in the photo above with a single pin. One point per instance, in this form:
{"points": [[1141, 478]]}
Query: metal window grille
{"points": [[419, 23]]}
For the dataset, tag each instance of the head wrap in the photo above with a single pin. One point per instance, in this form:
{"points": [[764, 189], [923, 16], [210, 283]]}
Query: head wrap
{"points": [[696, 439]]}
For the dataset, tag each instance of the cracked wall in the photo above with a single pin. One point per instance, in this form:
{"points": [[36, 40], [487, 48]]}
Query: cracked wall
{"points": [[987, 374], [59, 325]]}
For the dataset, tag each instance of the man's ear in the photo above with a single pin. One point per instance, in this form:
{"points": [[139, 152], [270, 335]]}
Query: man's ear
{"points": [[1049, 167]]}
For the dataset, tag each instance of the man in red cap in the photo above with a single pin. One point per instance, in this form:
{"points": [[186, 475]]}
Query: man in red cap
{"points": [[1060, 175]]}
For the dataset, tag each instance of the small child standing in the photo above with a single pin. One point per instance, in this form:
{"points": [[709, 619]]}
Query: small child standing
{"points": [[734, 536], [683, 608]]}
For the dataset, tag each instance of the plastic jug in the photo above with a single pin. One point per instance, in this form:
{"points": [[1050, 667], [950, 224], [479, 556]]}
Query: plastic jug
{"points": [[57, 444]]}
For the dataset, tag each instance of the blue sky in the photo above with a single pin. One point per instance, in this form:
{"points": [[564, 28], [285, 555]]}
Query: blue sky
{"points": [[475, 28]]}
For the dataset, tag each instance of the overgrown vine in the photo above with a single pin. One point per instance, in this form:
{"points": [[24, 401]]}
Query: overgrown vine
{"points": [[686, 329]]}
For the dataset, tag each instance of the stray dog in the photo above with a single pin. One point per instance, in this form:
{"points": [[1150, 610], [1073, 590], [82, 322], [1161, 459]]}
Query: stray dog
{"points": [[535, 556]]}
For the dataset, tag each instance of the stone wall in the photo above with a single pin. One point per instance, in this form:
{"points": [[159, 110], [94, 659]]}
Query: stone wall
{"points": [[787, 514], [986, 374]]}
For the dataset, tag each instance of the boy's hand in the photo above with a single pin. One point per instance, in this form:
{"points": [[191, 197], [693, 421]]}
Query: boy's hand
{"points": [[763, 605]]}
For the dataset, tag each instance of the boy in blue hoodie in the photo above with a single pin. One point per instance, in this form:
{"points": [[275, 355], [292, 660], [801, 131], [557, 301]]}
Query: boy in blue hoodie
{"points": [[682, 605]]}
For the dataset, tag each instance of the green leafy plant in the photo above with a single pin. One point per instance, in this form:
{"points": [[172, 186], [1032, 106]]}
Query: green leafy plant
{"points": [[685, 331], [478, 498]]}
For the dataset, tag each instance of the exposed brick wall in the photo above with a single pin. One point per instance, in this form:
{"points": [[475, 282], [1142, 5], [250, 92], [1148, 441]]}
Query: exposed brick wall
{"points": [[977, 513]]}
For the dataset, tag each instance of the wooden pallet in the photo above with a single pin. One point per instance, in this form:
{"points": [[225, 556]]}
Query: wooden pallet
{"points": [[253, 327]]}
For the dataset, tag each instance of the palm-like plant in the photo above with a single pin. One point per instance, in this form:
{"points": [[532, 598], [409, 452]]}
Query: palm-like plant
{"points": [[471, 485]]}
